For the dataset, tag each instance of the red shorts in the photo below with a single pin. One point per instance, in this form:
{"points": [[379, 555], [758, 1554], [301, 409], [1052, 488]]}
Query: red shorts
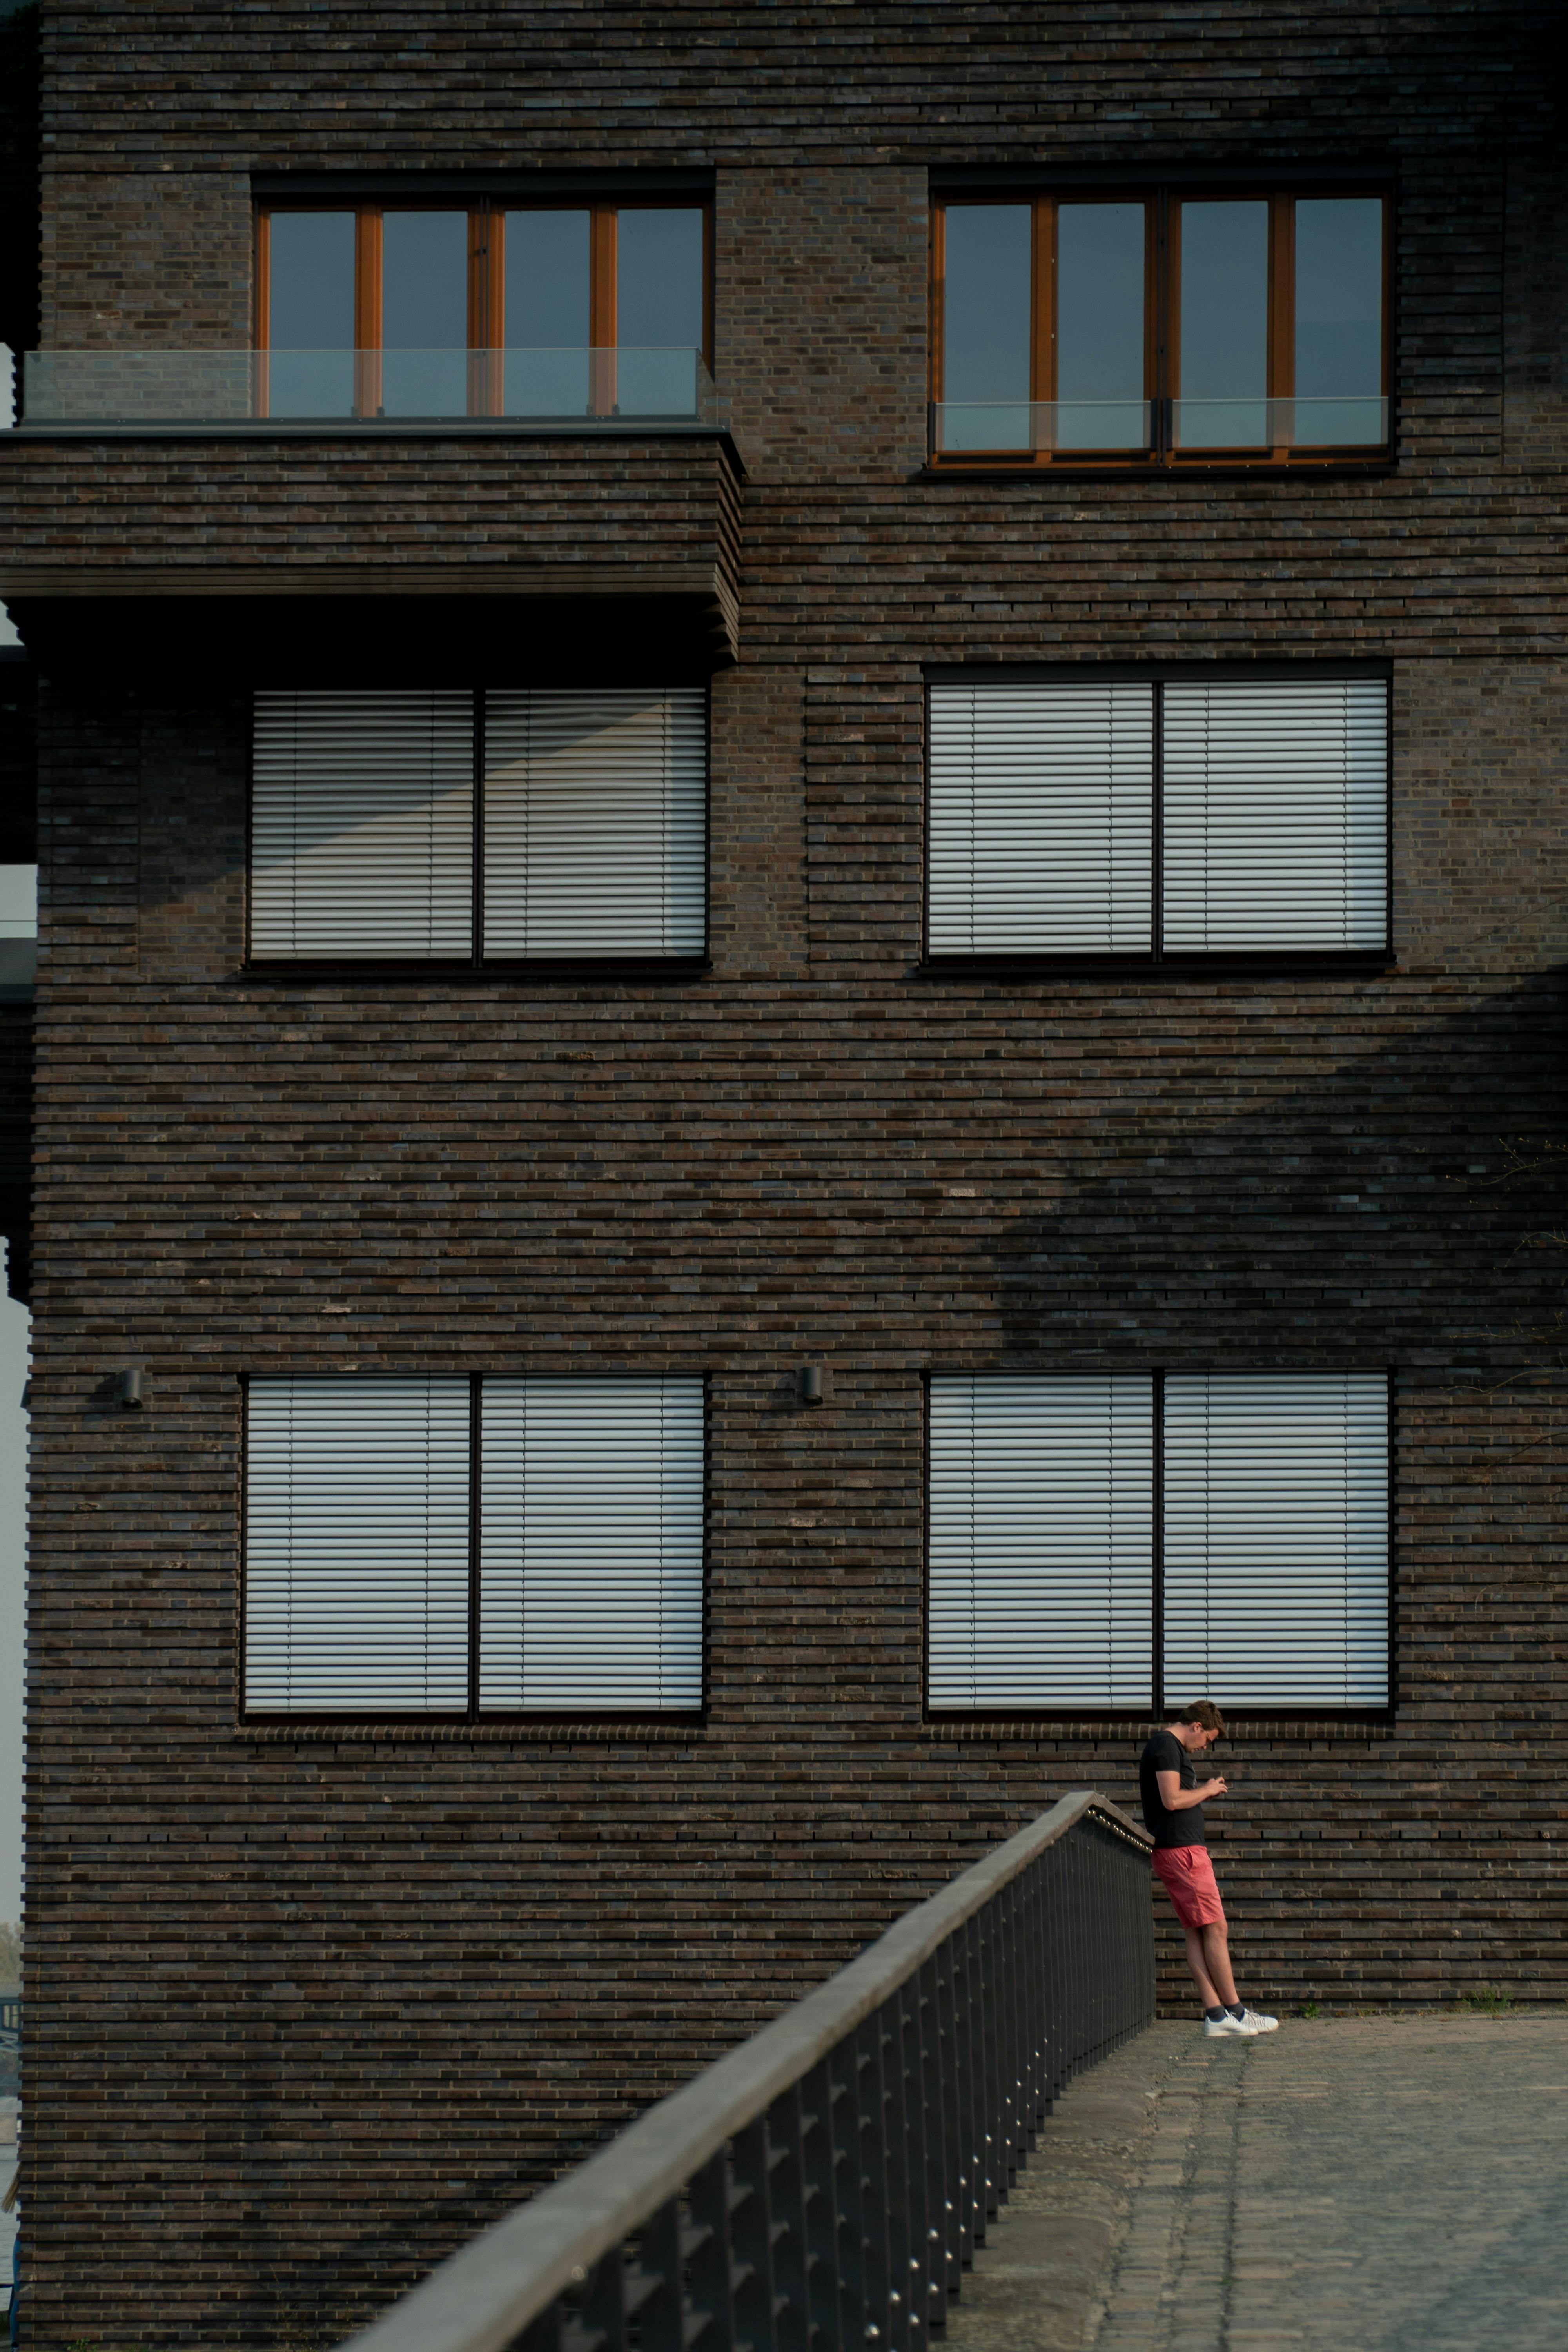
{"points": [[1187, 1875]]}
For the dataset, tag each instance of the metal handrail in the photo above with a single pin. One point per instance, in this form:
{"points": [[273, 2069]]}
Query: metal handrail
{"points": [[823, 2184]]}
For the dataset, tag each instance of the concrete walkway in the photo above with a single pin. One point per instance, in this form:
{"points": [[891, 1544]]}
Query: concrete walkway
{"points": [[1379, 2184]]}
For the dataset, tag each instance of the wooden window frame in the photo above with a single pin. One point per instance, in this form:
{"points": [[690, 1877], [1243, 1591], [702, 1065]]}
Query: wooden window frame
{"points": [[1162, 326], [486, 284]]}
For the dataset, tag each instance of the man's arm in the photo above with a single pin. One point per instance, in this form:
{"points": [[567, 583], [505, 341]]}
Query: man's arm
{"points": [[1177, 1799]]}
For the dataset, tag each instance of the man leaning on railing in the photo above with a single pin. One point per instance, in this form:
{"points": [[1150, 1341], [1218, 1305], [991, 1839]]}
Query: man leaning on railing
{"points": [[1174, 1814]]}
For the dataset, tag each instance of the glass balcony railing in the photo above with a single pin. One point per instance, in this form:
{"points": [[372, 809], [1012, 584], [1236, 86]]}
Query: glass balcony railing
{"points": [[1303, 424], [1129, 427], [963, 425], [594, 389]]}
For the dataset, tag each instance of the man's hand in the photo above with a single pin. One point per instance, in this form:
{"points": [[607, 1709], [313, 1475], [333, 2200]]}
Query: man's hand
{"points": [[1177, 1799]]}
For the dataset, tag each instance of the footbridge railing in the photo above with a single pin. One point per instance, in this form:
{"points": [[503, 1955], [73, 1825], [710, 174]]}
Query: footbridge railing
{"points": [[821, 2188]]}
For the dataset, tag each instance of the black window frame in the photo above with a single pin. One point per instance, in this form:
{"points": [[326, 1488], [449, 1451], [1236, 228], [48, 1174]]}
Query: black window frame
{"points": [[476, 966], [473, 1717], [1157, 960], [1304, 1713]]}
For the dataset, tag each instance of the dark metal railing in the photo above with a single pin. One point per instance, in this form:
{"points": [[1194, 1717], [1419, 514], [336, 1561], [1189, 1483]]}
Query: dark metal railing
{"points": [[822, 2188]]}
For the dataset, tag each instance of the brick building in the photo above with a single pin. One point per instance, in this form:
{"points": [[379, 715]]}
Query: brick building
{"points": [[936, 763]]}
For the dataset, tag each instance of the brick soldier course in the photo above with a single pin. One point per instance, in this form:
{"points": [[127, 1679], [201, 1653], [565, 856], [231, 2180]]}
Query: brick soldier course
{"points": [[306, 2007]]}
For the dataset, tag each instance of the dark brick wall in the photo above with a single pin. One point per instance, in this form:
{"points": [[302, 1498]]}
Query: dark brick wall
{"points": [[533, 1932], [385, 1983]]}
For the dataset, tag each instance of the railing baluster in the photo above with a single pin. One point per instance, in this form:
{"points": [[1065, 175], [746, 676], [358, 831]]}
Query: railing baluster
{"points": [[1017, 2142], [786, 2207], [601, 2312], [905, 2185], [1034, 2005], [849, 2199], [540, 2335], [660, 2318], [1057, 1989], [988, 1991], [908, 2137], [925, 2113], [819, 2207], [952, 2223], [710, 2322], [751, 2237], [884, 2319], [971, 2088]]}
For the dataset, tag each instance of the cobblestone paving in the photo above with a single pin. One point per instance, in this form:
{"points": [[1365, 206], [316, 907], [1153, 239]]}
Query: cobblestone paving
{"points": [[1382, 2184]]}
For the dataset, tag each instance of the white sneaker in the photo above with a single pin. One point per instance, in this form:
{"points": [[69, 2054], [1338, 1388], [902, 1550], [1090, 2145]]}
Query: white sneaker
{"points": [[1215, 2029], [1259, 2024]]}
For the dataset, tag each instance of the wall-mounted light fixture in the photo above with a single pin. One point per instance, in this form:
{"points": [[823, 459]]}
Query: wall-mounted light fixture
{"points": [[131, 1387], [813, 1384]]}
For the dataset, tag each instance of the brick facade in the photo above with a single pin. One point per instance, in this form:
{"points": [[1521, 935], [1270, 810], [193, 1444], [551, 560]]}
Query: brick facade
{"points": [[306, 2009]]}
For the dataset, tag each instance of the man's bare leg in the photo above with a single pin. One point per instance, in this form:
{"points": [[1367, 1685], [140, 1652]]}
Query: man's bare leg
{"points": [[1208, 1957]]}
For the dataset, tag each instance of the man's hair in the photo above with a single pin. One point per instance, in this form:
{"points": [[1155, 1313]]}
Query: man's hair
{"points": [[1202, 1711]]}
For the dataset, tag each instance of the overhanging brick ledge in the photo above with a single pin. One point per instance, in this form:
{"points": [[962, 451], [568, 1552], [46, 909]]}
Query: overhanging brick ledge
{"points": [[702, 583]]}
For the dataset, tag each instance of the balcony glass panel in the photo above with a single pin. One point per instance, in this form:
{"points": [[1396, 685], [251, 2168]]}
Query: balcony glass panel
{"points": [[1225, 325], [598, 390], [1123, 425], [985, 328], [1278, 424], [1100, 398]]}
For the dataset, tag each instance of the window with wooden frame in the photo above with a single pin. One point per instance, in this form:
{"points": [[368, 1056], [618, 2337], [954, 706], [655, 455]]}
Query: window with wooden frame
{"points": [[1110, 1542], [1161, 327], [593, 310]]}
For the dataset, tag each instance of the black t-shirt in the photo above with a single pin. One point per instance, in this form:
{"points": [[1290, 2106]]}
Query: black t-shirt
{"points": [[1165, 1753]]}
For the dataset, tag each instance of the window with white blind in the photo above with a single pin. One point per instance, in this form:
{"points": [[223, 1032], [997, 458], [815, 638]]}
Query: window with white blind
{"points": [[1159, 816], [452, 1546], [1041, 1542], [1114, 1543], [591, 1545], [492, 825], [1276, 1538]]}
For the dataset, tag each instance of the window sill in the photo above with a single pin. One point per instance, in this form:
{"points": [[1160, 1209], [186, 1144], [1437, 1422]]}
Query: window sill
{"points": [[990, 467], [446, 1730], [1347, 963], [1107, 1723], [341, 970]]}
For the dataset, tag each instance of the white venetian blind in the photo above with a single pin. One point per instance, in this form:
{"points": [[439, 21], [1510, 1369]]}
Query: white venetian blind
{"points": [[1275, 829], [595, 821], [1041, 1544], [1041, 830], [361, 827], [356, 1547], [591, 1544], [1277, 1540]]}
